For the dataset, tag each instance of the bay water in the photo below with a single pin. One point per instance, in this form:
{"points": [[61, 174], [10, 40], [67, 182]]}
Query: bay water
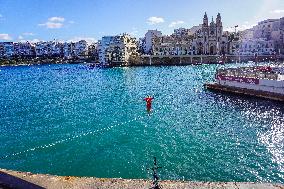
{"points": [[76, 121]]}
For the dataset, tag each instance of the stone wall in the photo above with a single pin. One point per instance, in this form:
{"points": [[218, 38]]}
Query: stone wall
{"points": [[14, 179], [187, 60]]}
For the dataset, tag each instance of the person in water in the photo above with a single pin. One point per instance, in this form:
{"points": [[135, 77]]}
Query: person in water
{"points": [[148, 100]]}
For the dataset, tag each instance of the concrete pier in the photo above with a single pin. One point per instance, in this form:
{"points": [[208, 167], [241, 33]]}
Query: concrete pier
{"points": [[14, 179], [243, 91]]}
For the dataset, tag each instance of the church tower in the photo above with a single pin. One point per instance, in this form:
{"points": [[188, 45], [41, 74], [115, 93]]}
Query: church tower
{"points": [[219, 27], [205, 28], [212, 28], [219, 20], [205, 20]]}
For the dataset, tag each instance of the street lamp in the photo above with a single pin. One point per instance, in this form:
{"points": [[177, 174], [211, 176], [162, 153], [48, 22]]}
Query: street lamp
{"points": [[236, 28]]}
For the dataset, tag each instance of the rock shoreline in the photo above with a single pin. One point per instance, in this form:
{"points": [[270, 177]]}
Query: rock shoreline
{"points": [[15, 179]]}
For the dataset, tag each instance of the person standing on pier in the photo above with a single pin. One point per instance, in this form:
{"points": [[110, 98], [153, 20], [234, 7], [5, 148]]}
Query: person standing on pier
{"points": [[148, 100]]}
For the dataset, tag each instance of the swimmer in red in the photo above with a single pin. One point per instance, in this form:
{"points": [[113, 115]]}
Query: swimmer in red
{"points": [[148, 100]]}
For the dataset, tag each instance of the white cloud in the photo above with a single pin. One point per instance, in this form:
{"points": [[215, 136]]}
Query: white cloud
{"points": [[34, 40], [23, 38], [134, 31], [54, 22], [71, 22], [277, 11], [175, 23], [30, 40], [242, 27], [88, 39], [52, 25], [4, 36], [56, 19], [229, 29], [1, 17], [28, 34], [155, 20]]}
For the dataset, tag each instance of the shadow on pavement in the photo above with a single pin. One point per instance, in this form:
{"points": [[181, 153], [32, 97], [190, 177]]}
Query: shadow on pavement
{"points": [[11, 182]]}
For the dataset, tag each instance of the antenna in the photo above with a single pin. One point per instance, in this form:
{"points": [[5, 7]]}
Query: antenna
{"points": [[155, 175]]}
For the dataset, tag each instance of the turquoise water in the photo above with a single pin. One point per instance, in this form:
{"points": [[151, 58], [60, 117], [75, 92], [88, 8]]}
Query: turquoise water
{"points": [[70, 120]]}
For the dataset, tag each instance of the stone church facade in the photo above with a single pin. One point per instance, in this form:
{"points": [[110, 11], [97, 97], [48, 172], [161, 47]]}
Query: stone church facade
{"points": [[205, 39], [210, 39]]}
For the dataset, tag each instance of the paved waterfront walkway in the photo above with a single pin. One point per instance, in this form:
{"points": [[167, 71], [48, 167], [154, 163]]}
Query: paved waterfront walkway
{"points": [[14, 179]]}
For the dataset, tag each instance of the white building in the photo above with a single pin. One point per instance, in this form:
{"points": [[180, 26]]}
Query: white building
{"points": [[56, 49], [256, 46], [194, 29], [270, 30], [180, 32], [24, 49], [264, 29], [1, 50], [148, 41], [93, 51], [103, 44], [6, 49], [81, 49], [68, 49], [172, 45], [116, 50], [246, 34], [41, 49]]}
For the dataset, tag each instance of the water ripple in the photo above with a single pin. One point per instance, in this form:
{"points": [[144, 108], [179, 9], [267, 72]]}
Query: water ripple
{"points": [[68, 120]]}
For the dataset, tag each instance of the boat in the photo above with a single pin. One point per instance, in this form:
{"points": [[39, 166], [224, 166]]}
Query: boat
{"points": [[92, 65], [106, 66], [98, 65], [259, 81]]}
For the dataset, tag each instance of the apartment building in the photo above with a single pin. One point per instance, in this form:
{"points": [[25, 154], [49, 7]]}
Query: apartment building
{"points": [[117, 50]]}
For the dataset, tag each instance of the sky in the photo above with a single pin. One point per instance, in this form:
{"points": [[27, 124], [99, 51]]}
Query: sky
{"points": [[72, 20]]}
